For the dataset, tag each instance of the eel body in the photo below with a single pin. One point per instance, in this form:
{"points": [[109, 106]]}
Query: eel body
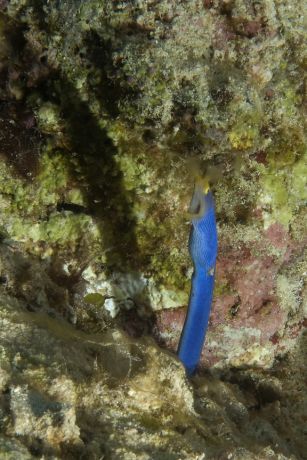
{"points": [[203, 250]]}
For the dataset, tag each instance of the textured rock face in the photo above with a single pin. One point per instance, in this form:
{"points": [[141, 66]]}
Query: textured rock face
{"points": [[108, 110], [68, 394]]}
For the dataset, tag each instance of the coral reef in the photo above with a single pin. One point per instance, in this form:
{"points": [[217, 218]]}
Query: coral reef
{"points": [[108, 110]]}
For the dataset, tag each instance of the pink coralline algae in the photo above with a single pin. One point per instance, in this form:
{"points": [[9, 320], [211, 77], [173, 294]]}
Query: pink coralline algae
{"points": [[169, 324], [246, 310], [253, 303], [278, 236]]}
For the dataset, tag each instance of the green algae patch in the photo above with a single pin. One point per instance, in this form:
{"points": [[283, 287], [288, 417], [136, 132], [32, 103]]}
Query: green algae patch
{"points": [[63, 229], [283, 190], [60, 229], [95, 299], [243, 138], [49, 118], [299, 181], [31, 197], [29, 207]]}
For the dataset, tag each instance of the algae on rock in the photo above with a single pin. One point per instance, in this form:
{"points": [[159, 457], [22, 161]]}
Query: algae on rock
{"points": [[108, 110], [139, 92]]}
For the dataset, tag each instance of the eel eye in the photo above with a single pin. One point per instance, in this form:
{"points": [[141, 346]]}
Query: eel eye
{"points": [[195, 208], [196, 201]]}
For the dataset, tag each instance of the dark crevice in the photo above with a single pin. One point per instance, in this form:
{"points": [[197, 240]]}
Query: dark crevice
{"points": [[72, 207]]}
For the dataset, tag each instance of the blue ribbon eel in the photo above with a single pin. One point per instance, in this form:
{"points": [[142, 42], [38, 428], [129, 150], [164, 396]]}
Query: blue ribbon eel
{"points": [[203, 247]]}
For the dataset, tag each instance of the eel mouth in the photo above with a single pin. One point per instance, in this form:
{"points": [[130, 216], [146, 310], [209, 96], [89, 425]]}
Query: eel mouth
{"points": [[197, 206]]}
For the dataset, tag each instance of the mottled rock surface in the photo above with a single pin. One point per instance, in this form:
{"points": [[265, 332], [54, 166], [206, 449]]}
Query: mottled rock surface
{"points": [[66, 394], [108, 111]]}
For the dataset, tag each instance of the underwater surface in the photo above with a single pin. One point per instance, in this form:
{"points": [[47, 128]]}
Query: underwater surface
{"points": [[109, 112]]}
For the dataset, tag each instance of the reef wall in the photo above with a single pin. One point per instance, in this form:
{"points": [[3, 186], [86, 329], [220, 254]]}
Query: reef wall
{"points": [[108, 111]]}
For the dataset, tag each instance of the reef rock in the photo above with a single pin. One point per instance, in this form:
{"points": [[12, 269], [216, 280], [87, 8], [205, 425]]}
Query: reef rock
{"points": [[108, 111], [68, 394]]}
